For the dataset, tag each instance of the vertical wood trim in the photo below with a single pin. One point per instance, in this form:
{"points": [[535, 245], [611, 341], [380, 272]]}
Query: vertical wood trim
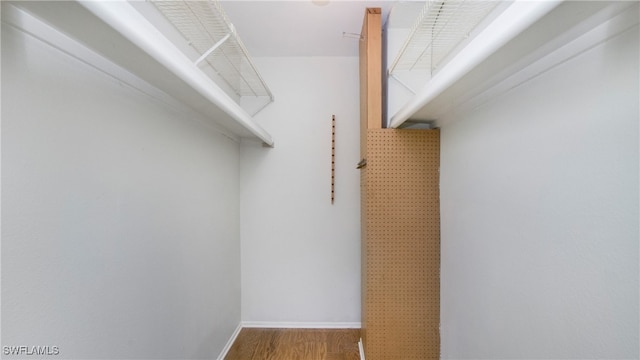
{"points": [[374, 68], [333, 158], [370, 52], [363, 256], [370, 75]]}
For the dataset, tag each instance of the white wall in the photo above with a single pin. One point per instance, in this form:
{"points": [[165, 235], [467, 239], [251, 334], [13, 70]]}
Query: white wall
{"points": [[120, 216], [300, 254], [539, 194]]}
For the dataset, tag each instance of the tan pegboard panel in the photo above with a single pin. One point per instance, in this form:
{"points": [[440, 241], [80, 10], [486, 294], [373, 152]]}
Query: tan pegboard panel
{"points": [[401, 245]]}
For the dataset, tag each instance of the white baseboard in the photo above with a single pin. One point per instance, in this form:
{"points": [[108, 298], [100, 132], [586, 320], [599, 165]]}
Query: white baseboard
{"points": [[361, 349], [229, 343], [301, 325]]}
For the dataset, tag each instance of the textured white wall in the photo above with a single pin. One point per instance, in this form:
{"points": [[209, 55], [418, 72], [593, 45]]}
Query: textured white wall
{"points": [[120, 216], [300, 254], [539, 194]]}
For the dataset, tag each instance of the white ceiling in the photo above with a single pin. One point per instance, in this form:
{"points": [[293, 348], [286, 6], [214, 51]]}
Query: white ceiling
{"points": [[302, 28]]}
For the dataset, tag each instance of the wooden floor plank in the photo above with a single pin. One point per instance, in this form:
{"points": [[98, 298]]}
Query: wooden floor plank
{"points": [[295, 344]]}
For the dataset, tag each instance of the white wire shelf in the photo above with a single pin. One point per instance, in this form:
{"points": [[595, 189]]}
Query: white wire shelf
{"points": [[441, 26], [207, 29]]}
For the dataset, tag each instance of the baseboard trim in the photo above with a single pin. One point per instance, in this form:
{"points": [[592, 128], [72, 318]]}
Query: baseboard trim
{"points": [[361, 349], [301, 325], [229, 343]]}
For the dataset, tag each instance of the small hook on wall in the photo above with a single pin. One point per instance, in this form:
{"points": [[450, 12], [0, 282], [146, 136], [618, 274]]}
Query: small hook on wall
{"points": [[352, 35]]}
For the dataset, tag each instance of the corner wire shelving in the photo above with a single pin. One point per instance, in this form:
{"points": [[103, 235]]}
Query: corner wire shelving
{"points": [[206, 28], [441, 26], [488, 34]]}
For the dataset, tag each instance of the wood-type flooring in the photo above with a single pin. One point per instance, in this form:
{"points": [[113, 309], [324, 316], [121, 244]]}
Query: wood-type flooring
{"points": [[295, 344]]}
